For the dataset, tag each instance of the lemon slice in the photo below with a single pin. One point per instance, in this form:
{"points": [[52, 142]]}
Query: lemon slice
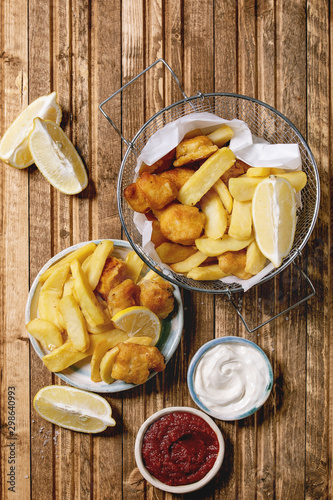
{"points": [[56, 157], [14, 147], [73, 409], [139, 321], [274, 218]]}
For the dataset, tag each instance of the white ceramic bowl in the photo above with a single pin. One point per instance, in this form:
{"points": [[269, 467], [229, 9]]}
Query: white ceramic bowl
{"points": [[187, 488], [192, 372], [78, 375]]}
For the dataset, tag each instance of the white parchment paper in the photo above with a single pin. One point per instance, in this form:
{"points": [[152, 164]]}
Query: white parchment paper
{"points": [[252, 150]]}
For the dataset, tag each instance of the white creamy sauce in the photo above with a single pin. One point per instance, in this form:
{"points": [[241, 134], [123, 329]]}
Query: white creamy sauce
{"points": [[230, 379]]}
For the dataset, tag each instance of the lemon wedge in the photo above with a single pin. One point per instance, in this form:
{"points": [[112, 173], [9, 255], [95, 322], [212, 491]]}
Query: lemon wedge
{"points": [[274, 218], [73, 409], [14, 147], [139, 321], [56, 157]]}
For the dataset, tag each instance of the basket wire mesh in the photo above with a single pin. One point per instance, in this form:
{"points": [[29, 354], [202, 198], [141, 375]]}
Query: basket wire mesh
{"points": [[264, 122]]}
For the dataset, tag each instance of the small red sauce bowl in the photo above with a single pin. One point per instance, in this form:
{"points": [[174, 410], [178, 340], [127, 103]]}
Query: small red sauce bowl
{"points": [[148, 426]]}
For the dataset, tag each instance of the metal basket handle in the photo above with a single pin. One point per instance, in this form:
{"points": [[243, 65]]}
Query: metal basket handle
{"points": [[129, 143], [313, 291]]}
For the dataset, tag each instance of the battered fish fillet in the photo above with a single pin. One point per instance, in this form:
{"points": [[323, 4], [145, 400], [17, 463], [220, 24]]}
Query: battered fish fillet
{"points": [[124, 295], [156, 236], [114, 272], [158, 191], [134, 363], [157, 295], [136, 199], [238, 168], [233, 263], [196, 148], [178, 176], [160, 165], [181, 223]]}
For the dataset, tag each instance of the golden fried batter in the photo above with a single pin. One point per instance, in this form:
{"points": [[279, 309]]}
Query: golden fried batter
{"points": [[238, 168], [181, 223], [114, 272], [156, 236], [136, 199], [124, 295], [233, 263], [160, 165], [157, 190], [157, 295], [134, 363], [178, 176], [196, 148]]}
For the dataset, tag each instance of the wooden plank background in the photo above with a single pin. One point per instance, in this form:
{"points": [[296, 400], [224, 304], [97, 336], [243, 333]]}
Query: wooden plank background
{"points": [[275, 50]]}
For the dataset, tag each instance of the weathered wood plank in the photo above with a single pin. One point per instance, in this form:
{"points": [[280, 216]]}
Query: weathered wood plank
{"points": [[319, 345], [247, 85], [291, 329], [40, 65], [14, 268], [106, 158], [133, 116], [266, 64]]}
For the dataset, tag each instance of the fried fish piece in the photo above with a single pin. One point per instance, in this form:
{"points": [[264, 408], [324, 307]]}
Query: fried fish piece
{"points": [[178, 176], [196, 148], [238, 168], [114, 272], [156, 236], [233, 263], [160, 165], [136, 199], [124, 295], [158, 191], [157, 295], [134, 363], [181, 223]]}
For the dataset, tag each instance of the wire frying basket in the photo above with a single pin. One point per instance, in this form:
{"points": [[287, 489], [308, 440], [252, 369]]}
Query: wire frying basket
{"points": [[264, 122]]}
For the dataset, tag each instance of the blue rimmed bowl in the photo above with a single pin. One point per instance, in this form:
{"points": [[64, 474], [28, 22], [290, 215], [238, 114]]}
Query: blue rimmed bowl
{"points": [[219, 408], [79, 374]]}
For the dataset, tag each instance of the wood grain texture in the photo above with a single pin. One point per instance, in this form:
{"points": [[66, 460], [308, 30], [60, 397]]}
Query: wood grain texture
{"points": [[273, 50]]}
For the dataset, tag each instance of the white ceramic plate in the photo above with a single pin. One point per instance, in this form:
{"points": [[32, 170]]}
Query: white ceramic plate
{"points": [[78, 375]]}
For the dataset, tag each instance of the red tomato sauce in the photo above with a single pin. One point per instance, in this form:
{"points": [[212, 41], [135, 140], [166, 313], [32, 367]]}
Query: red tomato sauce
{"points": [[179, 448]]}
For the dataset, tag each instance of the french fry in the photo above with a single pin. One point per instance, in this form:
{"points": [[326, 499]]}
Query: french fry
{"points": [[170, 253], [241, 220], [206, 273], [221, 135], [206, 176], [75, 323], [100, 350], [258, 172], [95, 330], [216, 216], [242, 188], [50, 294], [96, 262], [213, 248], [277, 171], [255, 260], [68, 286], [221, 189], [46, 333], [186, 265], [88, 302], [66, 355], [134, 265], [80, 254]]}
